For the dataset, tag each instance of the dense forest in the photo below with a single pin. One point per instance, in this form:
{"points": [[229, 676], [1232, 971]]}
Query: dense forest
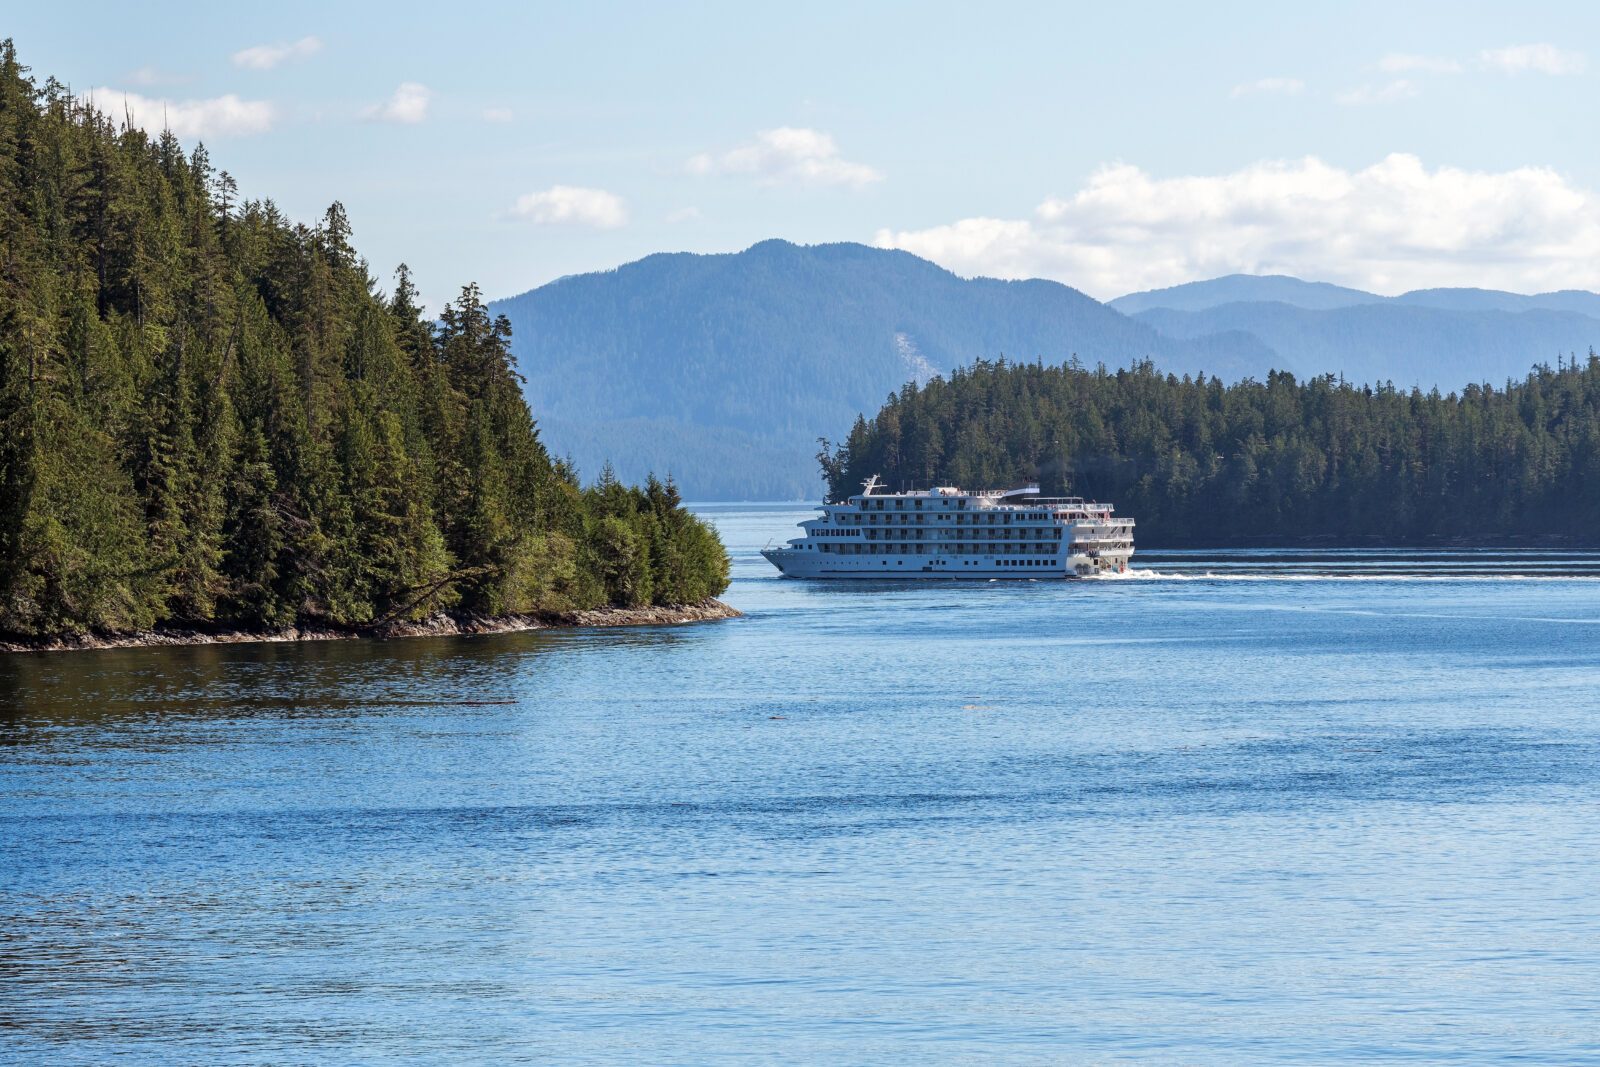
{"points": [[1196, 461], [211, 415]]}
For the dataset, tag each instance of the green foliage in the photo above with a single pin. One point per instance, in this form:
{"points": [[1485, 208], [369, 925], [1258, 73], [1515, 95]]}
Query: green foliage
{"points": [[209, 415], [1197, 462]]}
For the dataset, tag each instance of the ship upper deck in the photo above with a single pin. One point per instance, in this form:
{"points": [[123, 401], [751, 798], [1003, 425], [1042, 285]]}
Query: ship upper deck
{"points": [[947, 498]]}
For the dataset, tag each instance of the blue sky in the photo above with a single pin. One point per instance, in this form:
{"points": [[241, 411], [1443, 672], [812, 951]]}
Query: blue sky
{"points": [[1112, 147]]}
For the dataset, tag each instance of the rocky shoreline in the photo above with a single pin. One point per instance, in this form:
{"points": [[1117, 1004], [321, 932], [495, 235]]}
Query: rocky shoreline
{"points": [[435, 626]]}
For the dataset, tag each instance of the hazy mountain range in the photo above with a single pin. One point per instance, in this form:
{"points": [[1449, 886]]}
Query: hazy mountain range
{"points": [[724, 369]]}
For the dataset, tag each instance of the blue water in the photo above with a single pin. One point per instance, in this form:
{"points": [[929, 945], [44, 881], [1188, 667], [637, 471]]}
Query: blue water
{"points": [[1291, 807]]}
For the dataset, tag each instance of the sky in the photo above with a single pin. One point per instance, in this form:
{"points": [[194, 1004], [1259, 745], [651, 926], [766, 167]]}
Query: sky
{"points": [[1112, 147]]}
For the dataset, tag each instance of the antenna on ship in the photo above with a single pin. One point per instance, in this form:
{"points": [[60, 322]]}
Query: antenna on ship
{"points": [[869, 485]]}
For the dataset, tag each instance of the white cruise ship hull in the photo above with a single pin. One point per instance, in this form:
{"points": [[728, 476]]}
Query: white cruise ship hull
{"points": [[954, 535], [796, 563]]}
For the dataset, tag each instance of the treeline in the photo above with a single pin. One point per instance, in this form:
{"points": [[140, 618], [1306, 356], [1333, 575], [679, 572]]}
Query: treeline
{"points": [[212, 415], [1199, 462]]}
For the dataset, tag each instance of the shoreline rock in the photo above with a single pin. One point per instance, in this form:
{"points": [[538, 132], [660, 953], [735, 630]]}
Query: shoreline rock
{"points": [[442, 625]]}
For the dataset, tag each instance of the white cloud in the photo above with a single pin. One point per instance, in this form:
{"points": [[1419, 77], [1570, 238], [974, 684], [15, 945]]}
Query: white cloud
{"points": [[788, 154], [497, 114], [1541, 58], [222, 115], [152, 76], [573, 204], [1286, 86], [267, 56], [684, 214], [1393, 226], [1398, 89], [1404, 63], [409, 104]]}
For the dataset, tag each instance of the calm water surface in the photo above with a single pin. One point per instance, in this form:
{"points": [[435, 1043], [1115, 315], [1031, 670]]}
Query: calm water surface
{"points": [[1237, 807]]}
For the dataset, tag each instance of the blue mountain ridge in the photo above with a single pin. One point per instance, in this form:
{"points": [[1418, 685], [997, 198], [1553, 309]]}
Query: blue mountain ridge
{"points": [[1322, 296], [1244, 288], [724, 369]]}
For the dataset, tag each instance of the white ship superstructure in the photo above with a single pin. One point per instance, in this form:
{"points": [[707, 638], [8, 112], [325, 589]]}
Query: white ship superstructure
{"points": [[946, 533]]}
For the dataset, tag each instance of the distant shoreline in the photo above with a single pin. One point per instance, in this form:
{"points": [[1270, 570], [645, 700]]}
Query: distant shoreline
{"points": [[1377, 541], [442, 625]]}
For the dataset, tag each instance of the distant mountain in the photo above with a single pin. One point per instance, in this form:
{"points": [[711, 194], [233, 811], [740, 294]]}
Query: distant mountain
{"points": [[724, 369], [1391, 341], [1584, 303], [1321, 296], [1245, 288]]}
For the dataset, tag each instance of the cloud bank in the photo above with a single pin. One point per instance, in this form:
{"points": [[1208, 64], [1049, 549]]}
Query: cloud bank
{"points": [[574, 205], [788, 154], [267, 56], [1512, 60], [218, 116], [1393, 226], [408, 105], [1539, 58]]}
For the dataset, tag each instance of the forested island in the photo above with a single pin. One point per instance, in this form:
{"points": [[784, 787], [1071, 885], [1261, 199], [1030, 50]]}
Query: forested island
{"points": [[212, 417], [1279, 461]]}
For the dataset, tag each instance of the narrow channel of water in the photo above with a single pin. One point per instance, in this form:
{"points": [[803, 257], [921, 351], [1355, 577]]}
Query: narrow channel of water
{"points": [[1269, 806]]}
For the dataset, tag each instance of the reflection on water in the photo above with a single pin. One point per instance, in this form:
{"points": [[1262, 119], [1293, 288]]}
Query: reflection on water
{"points": [[1343, 809]]}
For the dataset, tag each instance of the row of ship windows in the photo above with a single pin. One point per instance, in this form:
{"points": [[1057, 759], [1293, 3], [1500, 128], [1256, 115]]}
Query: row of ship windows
{"points": [[919, 535], [993, 519], [960, 505], [980, 535], [929, 550], [992, 563], [1049, 534]]}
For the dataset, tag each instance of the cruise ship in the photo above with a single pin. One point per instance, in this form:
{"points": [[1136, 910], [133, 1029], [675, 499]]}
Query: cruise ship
{"points": [[946, 533]]}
